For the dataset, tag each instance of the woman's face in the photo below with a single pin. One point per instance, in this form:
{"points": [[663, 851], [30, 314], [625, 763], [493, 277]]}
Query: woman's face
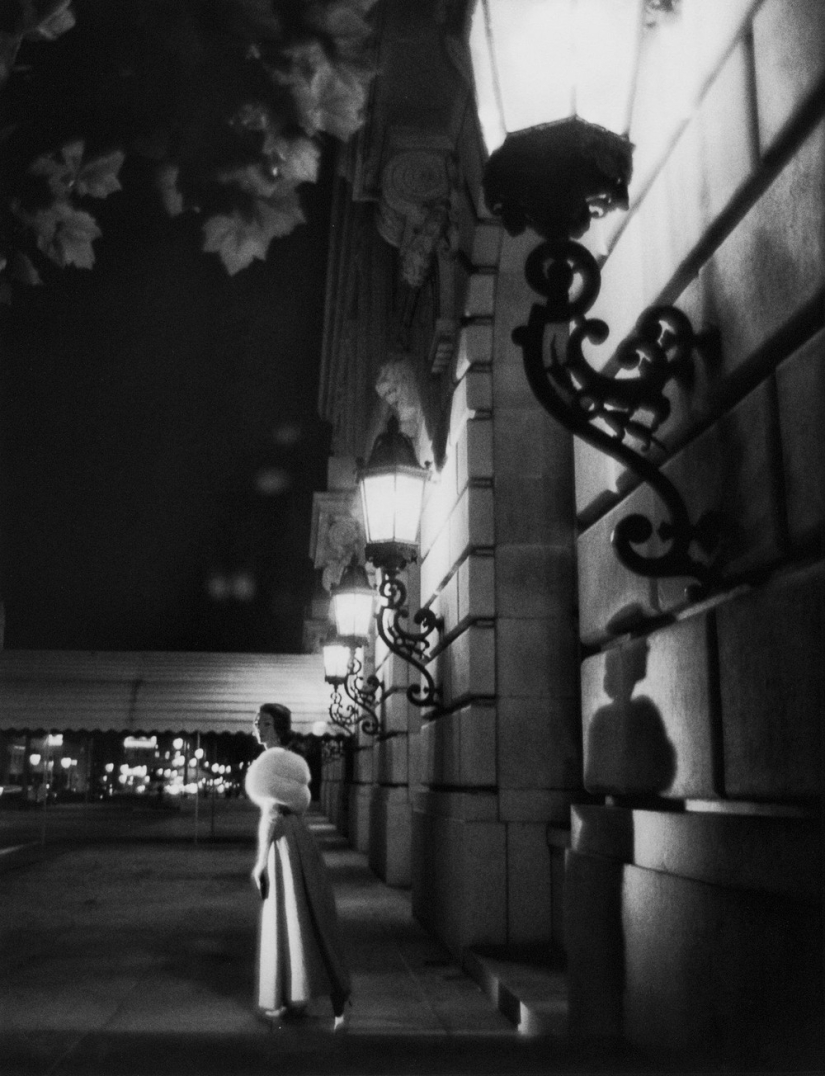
{"points": [[263, 728]]}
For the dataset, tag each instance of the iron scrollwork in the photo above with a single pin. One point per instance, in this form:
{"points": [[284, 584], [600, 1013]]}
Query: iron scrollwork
{"points": [[412, 647], [608, 411], [342, 715], [334, 747], [357, 711], [365, 693]]}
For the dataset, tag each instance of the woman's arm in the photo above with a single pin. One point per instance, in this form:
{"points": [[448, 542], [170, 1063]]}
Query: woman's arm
{"points": [[270, 828]]}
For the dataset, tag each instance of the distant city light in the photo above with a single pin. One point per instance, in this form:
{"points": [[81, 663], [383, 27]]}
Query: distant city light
{"points": [[287, 434], [270, 481]]}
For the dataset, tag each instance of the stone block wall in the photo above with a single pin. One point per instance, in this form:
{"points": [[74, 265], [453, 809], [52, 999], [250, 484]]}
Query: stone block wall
{"points": [[681, 734], [694, 880], [501, 760]]}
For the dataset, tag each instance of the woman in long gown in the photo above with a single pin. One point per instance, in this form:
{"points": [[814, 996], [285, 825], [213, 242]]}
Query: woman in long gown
{"points": [[300, 955]]}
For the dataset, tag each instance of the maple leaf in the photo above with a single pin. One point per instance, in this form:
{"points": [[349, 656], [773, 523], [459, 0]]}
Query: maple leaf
{"points": [[65, 235], [238, 240], [98, 178], [166, 181], [9, 47], [59, 169], [51, 23], [344, 21], [281, 214], [235, 239], [251, 179], [341, 99], [299, 159], [23, 270], [66, 172], [329, 97]]}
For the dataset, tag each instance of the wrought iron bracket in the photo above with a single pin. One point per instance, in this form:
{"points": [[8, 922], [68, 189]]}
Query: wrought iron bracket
{"points": [[412, 647], [366, 695], [357, 711], [342, 715], [609, 411]]}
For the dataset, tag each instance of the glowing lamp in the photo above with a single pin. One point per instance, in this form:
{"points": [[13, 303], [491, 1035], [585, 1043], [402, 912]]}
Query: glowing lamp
{"points": [[336, 662], [392, 492], [554, 84], [352, 605]]}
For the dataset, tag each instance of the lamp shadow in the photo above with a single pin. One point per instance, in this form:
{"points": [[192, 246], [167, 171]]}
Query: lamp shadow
{"points": [[628, 750], [627, 754]]}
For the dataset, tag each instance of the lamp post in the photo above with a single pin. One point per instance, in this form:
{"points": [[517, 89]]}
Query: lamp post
{"points": [[554, 86]]}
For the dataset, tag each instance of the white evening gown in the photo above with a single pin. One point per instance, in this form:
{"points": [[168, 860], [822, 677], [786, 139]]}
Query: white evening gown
{"points": [[300, 954]]}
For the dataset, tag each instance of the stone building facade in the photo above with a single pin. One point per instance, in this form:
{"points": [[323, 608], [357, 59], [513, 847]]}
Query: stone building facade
{"points": [[623, 774]]}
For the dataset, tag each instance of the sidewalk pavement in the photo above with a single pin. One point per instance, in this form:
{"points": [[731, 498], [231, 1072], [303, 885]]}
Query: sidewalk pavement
{"points": [[136, 955]]}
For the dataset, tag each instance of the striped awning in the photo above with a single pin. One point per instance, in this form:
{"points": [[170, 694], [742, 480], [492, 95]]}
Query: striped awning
{"points": [[62, 690]]}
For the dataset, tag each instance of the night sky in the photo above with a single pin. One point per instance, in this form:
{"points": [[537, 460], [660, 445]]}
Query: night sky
{"points": [[159, 441]]}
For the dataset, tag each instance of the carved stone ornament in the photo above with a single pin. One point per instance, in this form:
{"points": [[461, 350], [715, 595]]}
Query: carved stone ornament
{"points": [[417, 212], [338, 534], [396, 385]]}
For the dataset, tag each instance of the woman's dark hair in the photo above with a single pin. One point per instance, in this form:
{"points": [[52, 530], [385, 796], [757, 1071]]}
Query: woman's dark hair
{"points": [[281, 718]]}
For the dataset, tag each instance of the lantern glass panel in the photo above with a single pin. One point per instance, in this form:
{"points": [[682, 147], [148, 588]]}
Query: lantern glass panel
{"points": [[392, 504], [352, 612], [409, 494], [378, 497], [336, 662], [540, 61]]}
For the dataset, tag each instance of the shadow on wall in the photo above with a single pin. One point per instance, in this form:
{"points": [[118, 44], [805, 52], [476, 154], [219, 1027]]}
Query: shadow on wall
{"points": [[628, 750]]}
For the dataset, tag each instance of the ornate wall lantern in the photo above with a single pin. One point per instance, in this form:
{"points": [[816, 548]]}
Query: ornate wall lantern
{"points": [[392, 491], [554, 83], [554, 87], [343, 668], [352, 604], [337, 656]]}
